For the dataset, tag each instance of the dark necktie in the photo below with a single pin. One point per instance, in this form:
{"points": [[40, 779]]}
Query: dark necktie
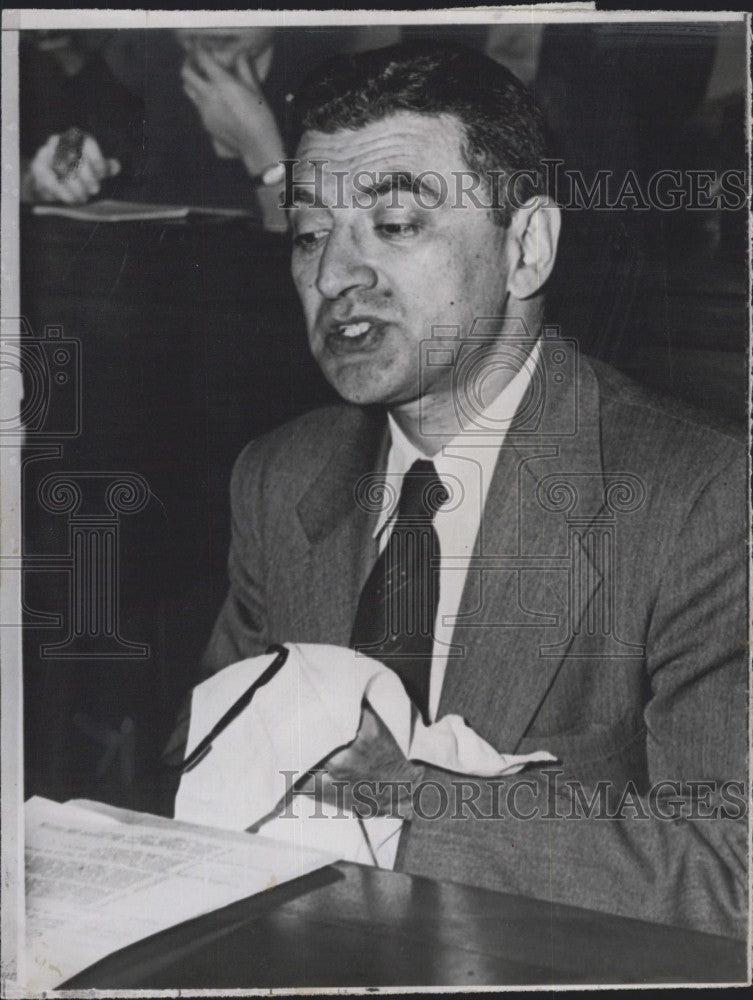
{"points": [[398, 604]]}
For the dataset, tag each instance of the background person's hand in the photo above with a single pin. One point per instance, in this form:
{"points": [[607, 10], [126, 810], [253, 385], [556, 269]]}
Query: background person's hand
{"points": [[233, 110], [81, 184], [223, 151]]}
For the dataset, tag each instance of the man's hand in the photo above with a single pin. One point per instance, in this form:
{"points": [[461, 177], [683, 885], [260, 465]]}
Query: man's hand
{"points": [[83, 182], [371, 769], [234, 111]]}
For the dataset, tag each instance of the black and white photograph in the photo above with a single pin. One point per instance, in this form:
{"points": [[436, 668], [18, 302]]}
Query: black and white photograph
{"points": [[374, 443]]}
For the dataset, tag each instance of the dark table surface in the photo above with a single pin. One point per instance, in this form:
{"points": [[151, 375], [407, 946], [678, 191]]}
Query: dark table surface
{"points": [[350, 925]]}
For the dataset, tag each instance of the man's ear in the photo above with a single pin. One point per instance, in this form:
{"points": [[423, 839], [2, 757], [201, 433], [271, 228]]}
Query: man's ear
{"points": [[533, 233]]}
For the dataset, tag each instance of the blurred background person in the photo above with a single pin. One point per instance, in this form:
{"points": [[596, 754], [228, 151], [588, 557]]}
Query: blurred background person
{"points": [[65, 81], [184, 116]]}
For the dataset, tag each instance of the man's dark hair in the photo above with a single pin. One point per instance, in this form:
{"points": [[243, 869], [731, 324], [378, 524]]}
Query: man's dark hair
{"points": [[504, 130]]}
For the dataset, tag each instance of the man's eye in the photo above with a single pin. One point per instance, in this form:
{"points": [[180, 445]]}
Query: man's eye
{"points": [[308, 241], [397, 230]]}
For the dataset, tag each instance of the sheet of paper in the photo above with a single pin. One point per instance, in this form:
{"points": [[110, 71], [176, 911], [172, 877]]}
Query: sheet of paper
{"points": [[110, 210], [98, 880], [107, 210], [311, 708]]}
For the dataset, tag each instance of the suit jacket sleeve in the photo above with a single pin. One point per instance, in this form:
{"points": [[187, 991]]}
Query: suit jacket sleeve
{"points": [[690, 870], [241, 628]]}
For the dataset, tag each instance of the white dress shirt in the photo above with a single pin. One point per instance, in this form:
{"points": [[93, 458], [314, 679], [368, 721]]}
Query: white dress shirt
{"points": [[465, 465]]}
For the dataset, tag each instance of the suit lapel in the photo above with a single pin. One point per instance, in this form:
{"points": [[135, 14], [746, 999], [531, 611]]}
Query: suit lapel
{"points": [[517, 618], [338, 514]]}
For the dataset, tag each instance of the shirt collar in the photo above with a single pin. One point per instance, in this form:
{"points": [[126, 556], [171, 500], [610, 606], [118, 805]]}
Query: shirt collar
{"points": [[498, 414]]}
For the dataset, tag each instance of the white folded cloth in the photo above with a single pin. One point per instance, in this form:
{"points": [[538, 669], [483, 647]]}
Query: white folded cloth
{"points": [[307, 711]]}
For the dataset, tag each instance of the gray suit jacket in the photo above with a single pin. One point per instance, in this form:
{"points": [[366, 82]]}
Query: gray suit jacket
{"points": [[603, 619]]}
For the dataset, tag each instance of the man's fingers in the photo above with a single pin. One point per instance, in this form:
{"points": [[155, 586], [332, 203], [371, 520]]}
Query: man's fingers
{"points": [[64, 195], [83, 181], [224, 151], [100, 165], [92, 169], [50, 188], [210, 66], [75, 186], [91, 155], [246, 73], [192, 94], [55, 191], [85, 176], [47, 151], [193, 79], [45, 183]]}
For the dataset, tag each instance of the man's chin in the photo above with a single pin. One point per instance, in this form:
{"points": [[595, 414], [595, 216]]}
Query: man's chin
{"points": [[364, 387], [361, 395]]}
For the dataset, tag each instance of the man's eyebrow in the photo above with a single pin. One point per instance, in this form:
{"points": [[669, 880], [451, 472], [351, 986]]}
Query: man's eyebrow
{"points": [[390, 181], [386, 182]]}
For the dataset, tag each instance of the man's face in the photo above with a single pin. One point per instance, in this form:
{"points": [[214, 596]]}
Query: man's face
{"points": [[375, 280]]}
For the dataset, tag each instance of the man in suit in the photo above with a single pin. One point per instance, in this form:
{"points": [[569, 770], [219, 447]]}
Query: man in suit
{"points": [[588, 538]]}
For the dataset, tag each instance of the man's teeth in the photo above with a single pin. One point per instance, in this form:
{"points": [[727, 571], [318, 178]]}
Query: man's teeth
{"points": [[355, 329]]}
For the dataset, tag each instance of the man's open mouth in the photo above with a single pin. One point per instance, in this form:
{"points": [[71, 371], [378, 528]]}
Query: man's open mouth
{"points": [[357, 334]]}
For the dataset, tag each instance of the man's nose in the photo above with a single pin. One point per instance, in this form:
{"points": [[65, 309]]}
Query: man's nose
{"points": [[342, 267]]}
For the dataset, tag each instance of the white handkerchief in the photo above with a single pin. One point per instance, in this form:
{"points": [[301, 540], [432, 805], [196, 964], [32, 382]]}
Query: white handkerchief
{"points": [[309, 709]]}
